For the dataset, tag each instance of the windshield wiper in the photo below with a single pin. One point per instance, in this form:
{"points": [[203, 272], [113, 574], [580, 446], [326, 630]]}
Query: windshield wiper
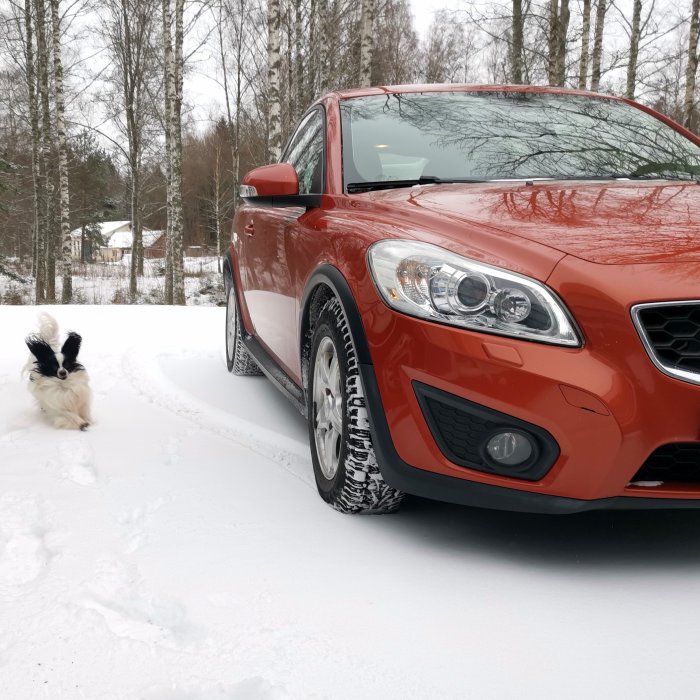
{"points": [[354, 187], [672, 167]]}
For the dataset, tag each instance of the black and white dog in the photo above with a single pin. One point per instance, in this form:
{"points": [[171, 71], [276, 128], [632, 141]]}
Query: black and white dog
{"points": [[58, 382]]}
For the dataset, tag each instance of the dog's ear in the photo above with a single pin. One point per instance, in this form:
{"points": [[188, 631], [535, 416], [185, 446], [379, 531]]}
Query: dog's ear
{"points": [[71, 347], [40, 348]]}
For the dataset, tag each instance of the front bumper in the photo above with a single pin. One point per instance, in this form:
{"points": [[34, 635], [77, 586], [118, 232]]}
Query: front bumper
{"points": [[606, 405], [450, 489]]}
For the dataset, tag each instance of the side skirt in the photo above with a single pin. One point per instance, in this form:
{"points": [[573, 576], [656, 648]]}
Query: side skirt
{"points": [[275, 373]]}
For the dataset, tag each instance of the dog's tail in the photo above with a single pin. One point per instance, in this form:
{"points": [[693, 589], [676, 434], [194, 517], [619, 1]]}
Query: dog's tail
{"points": [[48, 329]]}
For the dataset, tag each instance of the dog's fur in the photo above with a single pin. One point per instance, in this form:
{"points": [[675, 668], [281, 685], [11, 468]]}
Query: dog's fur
{"points": [[58, 382]]}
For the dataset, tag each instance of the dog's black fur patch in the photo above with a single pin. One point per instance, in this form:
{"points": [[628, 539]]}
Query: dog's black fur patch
{"points": [[70, 351], [46, 362]]}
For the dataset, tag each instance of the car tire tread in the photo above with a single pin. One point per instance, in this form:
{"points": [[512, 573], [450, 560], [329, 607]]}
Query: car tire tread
{"points": [[238, 360], [358, 485]]}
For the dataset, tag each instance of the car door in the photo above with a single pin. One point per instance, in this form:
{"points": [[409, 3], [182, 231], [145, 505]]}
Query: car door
{"points": [[269, 234]]}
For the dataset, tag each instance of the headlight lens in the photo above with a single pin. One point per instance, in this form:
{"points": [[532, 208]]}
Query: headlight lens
{"points": [[429, 282]]}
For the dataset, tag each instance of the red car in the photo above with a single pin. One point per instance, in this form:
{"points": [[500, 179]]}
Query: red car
{"points": [[484, 295]]}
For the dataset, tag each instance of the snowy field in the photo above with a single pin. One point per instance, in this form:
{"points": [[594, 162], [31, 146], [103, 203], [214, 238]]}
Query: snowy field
{"points": [[178, 551], [108, 283]]}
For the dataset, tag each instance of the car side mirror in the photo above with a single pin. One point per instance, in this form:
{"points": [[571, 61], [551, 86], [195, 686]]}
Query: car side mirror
{"points": [[276, 185]]}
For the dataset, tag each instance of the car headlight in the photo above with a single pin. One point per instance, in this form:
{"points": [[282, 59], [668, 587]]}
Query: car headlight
{"points": [[429, 282]]}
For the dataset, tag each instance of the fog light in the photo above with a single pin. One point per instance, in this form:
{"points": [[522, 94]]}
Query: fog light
{"points": [[510, 448]]}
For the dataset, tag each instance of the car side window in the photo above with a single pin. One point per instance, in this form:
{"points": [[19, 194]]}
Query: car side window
{"points": [[306, 152]]}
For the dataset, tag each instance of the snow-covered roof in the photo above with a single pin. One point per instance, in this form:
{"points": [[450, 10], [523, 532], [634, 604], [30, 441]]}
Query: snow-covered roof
{"points": [[107, 228], [114, 238], [122, 239]]}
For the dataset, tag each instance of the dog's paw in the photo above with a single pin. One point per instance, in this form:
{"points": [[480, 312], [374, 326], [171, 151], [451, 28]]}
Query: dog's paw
{"points": [[84, 426], [69, 422]]}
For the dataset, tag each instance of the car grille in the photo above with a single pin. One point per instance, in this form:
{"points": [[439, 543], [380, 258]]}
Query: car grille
{"points": [[671, 335], [679, 461]]}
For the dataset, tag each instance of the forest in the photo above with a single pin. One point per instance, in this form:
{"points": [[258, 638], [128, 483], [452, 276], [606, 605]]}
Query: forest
{"points": [[151, 111]]}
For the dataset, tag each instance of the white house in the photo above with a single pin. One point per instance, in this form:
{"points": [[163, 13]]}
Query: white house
{"points": [[106, 230], [116, 238]]}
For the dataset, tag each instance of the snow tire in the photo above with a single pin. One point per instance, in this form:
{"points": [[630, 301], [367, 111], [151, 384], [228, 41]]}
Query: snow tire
{"points": [[354, 483], [238, 359]]}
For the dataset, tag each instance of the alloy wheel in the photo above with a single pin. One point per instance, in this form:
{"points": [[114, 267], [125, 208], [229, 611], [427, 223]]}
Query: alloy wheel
{"points": [[328, 408]]}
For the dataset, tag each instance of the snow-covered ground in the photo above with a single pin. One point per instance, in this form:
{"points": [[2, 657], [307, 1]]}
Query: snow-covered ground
{"points": [[178, 551], [108, 283]]}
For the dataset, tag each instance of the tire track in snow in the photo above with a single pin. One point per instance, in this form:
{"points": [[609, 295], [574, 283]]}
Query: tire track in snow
{"points": [[151, 384]]}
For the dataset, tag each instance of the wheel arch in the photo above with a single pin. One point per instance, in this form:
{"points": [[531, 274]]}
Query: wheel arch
{"points": [[327, 281], [227, 269]]}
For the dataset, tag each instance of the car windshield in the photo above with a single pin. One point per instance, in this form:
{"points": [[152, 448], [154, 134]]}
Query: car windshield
{"points": [[494, 135]]}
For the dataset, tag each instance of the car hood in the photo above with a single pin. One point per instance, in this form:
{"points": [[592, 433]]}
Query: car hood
{"points": [[617, 222]]}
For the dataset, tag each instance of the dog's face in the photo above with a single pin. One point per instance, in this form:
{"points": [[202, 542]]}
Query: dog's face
{"points": [[55, 364]]}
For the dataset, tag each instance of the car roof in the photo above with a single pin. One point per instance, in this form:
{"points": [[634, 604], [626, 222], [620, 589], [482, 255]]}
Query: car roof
{"points": [[461, 87]]}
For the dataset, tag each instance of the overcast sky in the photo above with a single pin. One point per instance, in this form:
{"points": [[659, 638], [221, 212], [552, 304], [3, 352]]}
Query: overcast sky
{"points": [[423, 11], [207, 96]]}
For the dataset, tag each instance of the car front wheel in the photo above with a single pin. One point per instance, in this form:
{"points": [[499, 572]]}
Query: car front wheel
{"points": [[345, 466]]}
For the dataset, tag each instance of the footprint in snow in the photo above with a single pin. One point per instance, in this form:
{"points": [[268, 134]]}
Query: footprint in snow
{"points": [[23, 551], [120, 596], [75, 461], [137, 523]]}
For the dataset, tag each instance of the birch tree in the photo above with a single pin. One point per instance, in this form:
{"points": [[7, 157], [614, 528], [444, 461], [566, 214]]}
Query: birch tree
{"points": [[62, 151], [517, 48], [46, 271], [173, 31], [692, 64], [366, 42], [273, 81], [38, 199], [635, 31], [585, 45], [597, 58], [558, 28], [299, 101]]}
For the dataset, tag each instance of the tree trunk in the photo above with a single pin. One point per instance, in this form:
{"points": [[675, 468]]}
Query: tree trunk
{"points": [[288, 113], [300, 100], [313, 84], [38, 233], [517, 49], [136, 226], [239, 108], [366, 45], [274, 139], [46, 278], [169, 83], [552, 42], [62, 150], [131, 78], [322, 45], [634, 50], [597, 57], [585, 45], [692, 67], [217, 205], [176, 147], [174, 270], [562, 30]]}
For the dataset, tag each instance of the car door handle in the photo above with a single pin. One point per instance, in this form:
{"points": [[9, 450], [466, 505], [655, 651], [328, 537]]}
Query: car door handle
{"points": [[249, 229]]}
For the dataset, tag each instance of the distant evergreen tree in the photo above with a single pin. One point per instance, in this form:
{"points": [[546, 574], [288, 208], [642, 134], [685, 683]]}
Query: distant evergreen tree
{"points": [[5, 169]]}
